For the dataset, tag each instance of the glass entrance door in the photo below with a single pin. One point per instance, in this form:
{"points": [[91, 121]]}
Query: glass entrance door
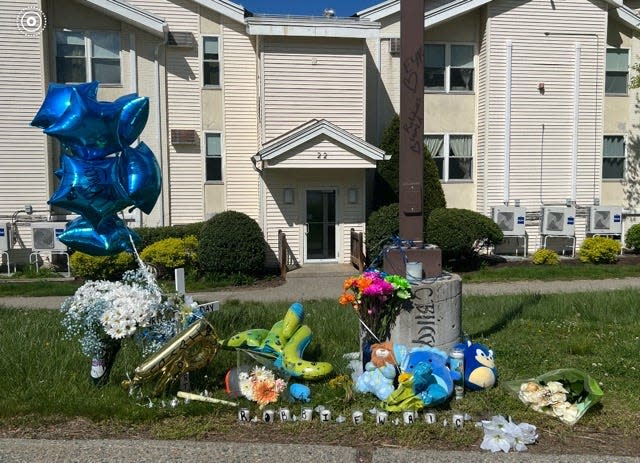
{"points": [[321, 225]]}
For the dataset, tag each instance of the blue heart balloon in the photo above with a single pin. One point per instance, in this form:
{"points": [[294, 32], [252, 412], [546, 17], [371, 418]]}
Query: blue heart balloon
{"points": [[80, 235], [93, 129], [90, 188], [58, 100], [140, 176]]}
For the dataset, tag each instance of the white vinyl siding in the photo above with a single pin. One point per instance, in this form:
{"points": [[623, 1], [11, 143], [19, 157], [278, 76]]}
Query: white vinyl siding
{"points": [[321, 153], [241, 120], [24, 168], [550, 46], [290, 217], [306, 80]]}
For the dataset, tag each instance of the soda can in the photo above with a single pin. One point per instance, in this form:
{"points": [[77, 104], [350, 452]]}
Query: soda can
{"points": [[306, 414], [268, 416], [244, 416], [457, 420], [325, 416], [381, 417], [430, 417], [285, 414], [409, 417], [357, 417]]}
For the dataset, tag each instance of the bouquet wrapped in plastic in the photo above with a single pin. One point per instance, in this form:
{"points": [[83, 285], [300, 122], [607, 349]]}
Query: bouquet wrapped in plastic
{"points": [[566, 393]]}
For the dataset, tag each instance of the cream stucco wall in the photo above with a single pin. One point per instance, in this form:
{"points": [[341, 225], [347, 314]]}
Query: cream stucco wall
{"points": [[213, 114]]}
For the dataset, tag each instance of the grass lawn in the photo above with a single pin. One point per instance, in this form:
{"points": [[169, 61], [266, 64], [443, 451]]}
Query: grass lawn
{"points": [[46, 388]]}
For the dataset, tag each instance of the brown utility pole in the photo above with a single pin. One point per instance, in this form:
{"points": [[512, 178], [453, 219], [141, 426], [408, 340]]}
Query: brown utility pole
{"points": [[412, 146]]}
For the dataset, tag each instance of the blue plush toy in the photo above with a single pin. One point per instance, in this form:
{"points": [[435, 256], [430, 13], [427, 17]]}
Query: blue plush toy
{"points": [[479, 367], [432, 379]]}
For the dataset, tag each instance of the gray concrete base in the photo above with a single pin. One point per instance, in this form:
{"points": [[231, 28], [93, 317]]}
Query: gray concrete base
{"points": [[433, 317]]}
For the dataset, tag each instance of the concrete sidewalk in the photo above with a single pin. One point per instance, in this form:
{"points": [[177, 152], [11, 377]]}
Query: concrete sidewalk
{"points": [[156, 451], [310, 286]]}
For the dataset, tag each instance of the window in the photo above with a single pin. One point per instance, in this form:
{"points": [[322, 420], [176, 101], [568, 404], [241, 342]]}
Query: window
{"points": [[211, 61], [86, 56], [617, 71], [613, 149], [453, 155], [213, 157], [448, 67]]}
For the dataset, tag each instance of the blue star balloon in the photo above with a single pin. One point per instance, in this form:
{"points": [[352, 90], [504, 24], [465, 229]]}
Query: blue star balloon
{"points": [[90, 188], [58, 100], [93, 129], [81, 236], [140, 176]]}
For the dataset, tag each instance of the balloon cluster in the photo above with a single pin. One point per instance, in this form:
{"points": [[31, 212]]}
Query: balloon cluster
{"points": [[100, 173]]}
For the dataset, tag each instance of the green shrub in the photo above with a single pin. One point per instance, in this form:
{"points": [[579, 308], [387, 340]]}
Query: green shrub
{"points": [[545, 256], [381, 226], [150, 235], [632, 238], [171, 253], [460, 233], [599, 250], [101, 267], [231, 242], [387, 174]]}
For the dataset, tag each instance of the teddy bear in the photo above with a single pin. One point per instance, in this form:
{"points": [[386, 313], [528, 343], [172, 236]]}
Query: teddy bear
{"points": [[380, 372]]}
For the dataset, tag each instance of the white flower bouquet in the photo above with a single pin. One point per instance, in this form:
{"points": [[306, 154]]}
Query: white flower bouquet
{"points": [[103, 312], [565, 393]]}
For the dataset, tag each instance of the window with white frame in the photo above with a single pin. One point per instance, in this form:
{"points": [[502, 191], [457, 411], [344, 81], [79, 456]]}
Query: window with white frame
{"points": [[211, 61], [613, 157], [83, 56], [448, 67], [213, 157], [617, 73], [453, 155]]}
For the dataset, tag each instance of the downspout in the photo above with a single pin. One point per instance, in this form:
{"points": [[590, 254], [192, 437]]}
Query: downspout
{"points": [[507, 125], [133, 70], [156, 75], [576, 124], [378, 86]]}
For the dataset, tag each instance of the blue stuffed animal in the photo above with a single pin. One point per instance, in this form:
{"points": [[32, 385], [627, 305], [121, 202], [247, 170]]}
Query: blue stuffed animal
{"points": [[432, 378], [479, 366]]}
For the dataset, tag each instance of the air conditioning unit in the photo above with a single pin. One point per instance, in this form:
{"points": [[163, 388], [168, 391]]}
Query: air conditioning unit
{"points": [[394, 46], [510, 219], [4, 237], [558, 220], [45, 236], [605, 220], [180, 39]]}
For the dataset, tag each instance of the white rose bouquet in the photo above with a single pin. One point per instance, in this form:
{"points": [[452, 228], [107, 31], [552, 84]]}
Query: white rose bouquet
{"points": [[565, 393]]}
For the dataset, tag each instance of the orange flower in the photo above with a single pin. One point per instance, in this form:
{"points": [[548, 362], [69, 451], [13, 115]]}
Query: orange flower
{"points": [[346, 298], [363, 283], [348, 283], [264, 392]]}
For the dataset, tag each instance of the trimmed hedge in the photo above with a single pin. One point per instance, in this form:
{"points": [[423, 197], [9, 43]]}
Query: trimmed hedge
{"points": [[381, 226], [632, 238], [150, 235], [544, 256], [171, 253], [599, 250], [101, 267], [231, 242], [460, 232]]}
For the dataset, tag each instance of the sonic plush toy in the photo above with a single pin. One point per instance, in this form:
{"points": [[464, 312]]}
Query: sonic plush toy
{"points": [[479, 367]]}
